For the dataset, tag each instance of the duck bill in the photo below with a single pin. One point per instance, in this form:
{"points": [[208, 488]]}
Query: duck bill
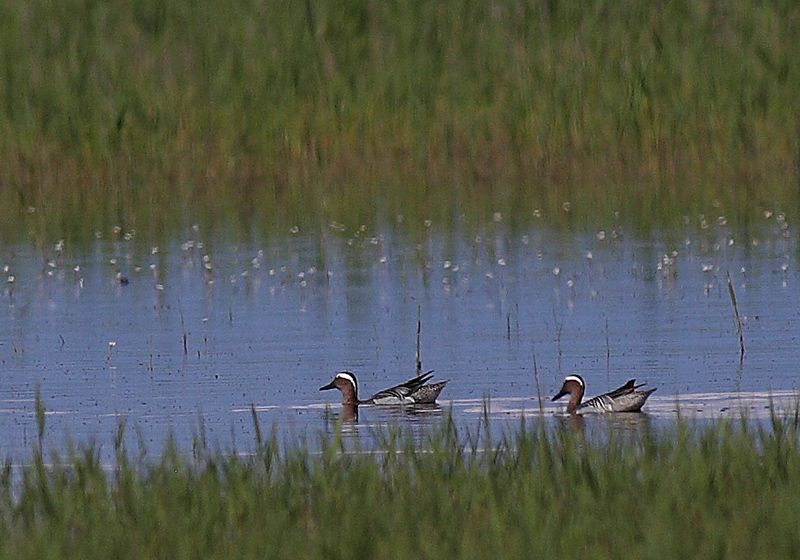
{"points": [[328, 386], [560, 394]]}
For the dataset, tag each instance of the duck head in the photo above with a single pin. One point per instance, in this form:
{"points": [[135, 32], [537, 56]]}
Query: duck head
{"points": [[347, 383], [574, 387]]}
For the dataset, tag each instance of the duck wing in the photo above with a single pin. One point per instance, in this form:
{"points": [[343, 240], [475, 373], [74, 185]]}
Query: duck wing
{"points": [[632, 402], [403, 390], [622, 399], [427, 394]]}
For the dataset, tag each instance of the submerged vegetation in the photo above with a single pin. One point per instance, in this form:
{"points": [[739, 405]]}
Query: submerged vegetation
{"points": [[148, 114], [724, 490]]}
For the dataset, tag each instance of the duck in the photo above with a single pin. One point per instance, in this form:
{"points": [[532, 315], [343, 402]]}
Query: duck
{"points": [[623, 399], [413, 391]]}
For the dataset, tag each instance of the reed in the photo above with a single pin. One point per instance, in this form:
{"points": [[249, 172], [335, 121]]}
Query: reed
{"points": [[726, 489], [152, 116]]}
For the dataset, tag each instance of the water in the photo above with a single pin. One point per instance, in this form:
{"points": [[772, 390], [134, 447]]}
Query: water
{"points": [[266, 323]]}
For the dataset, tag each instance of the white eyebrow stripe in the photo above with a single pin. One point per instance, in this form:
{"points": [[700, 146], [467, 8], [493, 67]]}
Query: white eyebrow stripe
{"points": [[576, 378], [350, 378]]}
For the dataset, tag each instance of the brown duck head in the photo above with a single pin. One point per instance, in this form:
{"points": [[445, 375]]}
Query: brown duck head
{"points": [[347, 383], [574, 387]]}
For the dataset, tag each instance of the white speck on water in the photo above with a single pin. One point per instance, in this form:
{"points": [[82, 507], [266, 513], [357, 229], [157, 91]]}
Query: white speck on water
{"points": [[447, 264], [570, 283], [601, 235], [77, 268], [10, 279], [707, 267], [294, 229], [525, 239], [537, 213], [566, 206], [501, 262], [556, 270], [160, 287], [112, 343], [301, 274], [271, 272], [489, 275], [589, 255], [497, 217], [383, 260], [303, 283], [767, 214], [152, 266], [154, 250], [117, 229], [428, 223], [112, 261]]}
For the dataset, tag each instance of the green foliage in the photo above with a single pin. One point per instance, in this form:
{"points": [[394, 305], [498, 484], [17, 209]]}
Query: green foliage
{"points": [[141, 113], [723, 490]]}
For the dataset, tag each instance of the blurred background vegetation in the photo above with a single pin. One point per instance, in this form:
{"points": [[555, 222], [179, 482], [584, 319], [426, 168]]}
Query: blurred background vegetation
{"points": [[154, 115]]}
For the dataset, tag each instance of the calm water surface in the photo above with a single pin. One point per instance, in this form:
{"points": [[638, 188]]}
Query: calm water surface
{"points": [[266, 323]]}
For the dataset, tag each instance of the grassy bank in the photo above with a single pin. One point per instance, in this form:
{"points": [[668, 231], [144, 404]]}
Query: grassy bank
{"points": [[142, 113], [720, 491]]}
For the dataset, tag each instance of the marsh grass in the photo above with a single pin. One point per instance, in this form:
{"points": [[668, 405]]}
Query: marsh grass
{"points": [[277, 113], [727, 489]]}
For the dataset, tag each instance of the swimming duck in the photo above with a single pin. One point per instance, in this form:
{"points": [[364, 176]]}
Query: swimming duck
{"points": [[623, 399], [413, 391]]}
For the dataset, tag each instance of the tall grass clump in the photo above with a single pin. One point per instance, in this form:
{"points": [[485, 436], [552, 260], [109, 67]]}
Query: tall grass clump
{"points": [[137, 111], [724, 490]]}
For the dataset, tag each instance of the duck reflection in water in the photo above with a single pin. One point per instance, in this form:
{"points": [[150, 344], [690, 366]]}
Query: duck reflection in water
{"points": [[631, 422], [345, 416]]}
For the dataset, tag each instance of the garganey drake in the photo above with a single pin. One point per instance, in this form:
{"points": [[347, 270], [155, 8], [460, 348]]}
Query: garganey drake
{"points": [[623, 399], [413, 391]]}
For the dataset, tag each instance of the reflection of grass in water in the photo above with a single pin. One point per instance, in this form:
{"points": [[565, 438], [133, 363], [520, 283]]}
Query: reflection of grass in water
{"points": [[725, 490], [134, 113]]}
